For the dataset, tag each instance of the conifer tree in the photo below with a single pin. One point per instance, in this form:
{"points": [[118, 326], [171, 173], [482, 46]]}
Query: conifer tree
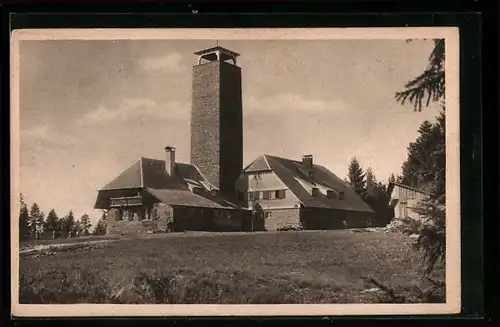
{"points": [[356, 176], [85, 224], [425, 166], [35, 221], [68, 224], [100, 228], [428, 86], [52, 223], [370, 179], [24, 217]]}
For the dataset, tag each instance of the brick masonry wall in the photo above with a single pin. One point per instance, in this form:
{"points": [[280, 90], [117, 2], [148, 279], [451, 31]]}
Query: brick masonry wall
{"points": [[205, 120], [217, 123], [280, 218], [161, 215]]}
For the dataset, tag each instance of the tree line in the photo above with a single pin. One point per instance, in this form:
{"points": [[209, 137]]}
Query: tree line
{"points": [[371, 190], [34, 225], [425, 165]]}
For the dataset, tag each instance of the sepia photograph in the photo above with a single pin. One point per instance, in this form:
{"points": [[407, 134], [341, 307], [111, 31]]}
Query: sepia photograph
{"points": [[235, 172]]}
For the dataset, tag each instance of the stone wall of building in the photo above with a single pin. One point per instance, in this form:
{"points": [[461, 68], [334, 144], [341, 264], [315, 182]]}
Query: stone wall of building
{"points": [[217, 123], [161, 216], [205, 120], [279, 218]]}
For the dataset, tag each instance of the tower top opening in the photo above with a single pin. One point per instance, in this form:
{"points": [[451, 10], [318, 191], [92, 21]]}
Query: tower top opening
{"points": [[217, 53]]}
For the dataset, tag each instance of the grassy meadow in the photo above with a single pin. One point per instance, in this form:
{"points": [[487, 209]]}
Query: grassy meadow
{"points": [[286, 267]]}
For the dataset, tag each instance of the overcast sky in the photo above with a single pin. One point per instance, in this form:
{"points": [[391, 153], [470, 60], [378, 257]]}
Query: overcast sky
{"points": [[89, 109]]}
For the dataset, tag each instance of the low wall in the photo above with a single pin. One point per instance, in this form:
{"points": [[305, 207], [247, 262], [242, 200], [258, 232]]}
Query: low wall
{"points": [[279, 218]]}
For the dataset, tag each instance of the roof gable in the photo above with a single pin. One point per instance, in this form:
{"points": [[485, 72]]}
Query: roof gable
{"points": [[150, 174], [259, 164], [147, 172]]}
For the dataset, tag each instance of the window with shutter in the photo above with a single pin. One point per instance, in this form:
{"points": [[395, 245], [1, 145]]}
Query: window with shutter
{"points": [[282, 194], [267, 195], [277, 194]]}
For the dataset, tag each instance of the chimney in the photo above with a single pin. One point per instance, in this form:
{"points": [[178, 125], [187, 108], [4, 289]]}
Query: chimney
{"points": [[307, 161], [170, 160]]}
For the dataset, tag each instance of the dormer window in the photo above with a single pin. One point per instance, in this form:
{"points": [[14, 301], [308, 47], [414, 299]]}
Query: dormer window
{"points": [[315, 191], [341, 195], [214, 192], [330, 194], [257, 176], [196, 190]]}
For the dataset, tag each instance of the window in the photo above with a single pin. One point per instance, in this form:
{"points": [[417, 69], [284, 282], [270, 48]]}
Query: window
{"points": [[341, 195], [272, 195], [250, 196], [330, 194], [281, 194], [315, 191], [257, 195], [277, 194], [267, 214], [196, 190], [267, 195]]}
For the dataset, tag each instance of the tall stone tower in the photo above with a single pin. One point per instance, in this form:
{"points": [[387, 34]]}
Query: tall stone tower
{"points": [[216, 118]]}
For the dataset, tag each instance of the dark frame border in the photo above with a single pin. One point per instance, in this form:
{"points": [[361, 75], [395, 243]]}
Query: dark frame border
{"points": [[204, 15]]}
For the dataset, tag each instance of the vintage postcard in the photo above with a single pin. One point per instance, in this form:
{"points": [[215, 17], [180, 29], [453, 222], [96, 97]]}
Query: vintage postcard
{"points": [[216, 172]]}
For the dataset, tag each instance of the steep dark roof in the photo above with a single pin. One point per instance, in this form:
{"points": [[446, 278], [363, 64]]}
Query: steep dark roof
{"points": [[187, 198], [150, 175], [392, 184], [287, 170]]}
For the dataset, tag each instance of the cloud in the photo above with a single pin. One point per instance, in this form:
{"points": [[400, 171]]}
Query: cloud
{"points": [[45, 137], [136, 108], [170, 63], [287, 102]]}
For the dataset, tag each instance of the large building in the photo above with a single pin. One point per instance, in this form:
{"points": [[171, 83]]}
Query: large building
{"points": [[214, 192], [301, 194]]}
